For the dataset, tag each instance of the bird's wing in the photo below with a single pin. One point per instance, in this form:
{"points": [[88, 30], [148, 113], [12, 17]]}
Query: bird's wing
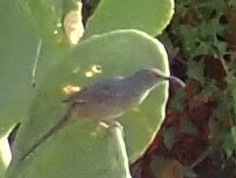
{"points": [[104, 90], [99, 91]]}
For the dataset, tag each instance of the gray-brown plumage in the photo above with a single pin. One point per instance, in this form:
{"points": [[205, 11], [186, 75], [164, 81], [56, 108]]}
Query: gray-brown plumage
{"points": [[106, 100]]}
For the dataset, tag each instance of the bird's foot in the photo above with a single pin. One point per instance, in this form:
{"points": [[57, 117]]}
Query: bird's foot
{"points": [[111, 124]]}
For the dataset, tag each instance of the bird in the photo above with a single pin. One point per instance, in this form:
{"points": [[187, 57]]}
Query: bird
{"points": [[108, 99]]}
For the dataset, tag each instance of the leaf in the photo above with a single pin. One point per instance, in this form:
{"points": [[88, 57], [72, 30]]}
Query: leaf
{"points": [[229, 141], [150, 16], [221, 47], [202, 48], [196, 70], [232, 87], [46, 18], [178, 98], [18, 45], [169, 137], [189, 127], [118, 53], [166, 168], [189, 172]]}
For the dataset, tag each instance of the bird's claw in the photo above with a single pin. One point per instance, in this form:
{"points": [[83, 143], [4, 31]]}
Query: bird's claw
{"points": [[112, 124]]}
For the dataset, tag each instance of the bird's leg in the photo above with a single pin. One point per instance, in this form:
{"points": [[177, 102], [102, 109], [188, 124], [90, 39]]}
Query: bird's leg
{"points": [[64, 121], [109, 125]]}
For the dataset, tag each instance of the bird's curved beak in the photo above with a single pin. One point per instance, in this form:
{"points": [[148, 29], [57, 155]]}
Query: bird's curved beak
{"points": [[176, 80], [172, 78]]}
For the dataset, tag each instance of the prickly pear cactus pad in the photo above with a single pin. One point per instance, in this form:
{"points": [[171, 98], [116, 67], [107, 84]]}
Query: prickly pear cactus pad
{"points": [[38, 65], [119, 53]]}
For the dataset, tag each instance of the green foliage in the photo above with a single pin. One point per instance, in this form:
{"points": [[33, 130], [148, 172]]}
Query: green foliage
{"points": [[164, 167], [45, 17], [18, 45], [196, 72], [201, 29], [83, 148], [200, 32], [189, 127], [113, 63], [169, 136], [141, 15], [229, 141]]}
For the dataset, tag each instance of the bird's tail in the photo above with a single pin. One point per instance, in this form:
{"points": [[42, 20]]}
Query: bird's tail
{"points": [[65, 120]]}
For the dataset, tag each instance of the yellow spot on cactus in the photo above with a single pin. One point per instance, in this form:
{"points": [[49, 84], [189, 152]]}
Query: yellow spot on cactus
{"points": [[89, 74], [73, 25], [69, 89]]}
